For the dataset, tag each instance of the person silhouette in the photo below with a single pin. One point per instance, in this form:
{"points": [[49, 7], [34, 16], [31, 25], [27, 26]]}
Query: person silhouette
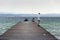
{"points": [[33, 20], [38, 19]]}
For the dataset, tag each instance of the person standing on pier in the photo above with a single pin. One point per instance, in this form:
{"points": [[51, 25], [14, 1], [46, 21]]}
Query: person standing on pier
{"points": [[38, 19]]}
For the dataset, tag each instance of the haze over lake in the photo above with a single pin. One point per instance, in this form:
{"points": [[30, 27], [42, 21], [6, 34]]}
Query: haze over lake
{"points": [[29, 15]]}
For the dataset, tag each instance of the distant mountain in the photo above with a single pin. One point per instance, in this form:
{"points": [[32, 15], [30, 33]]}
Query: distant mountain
{"points": [[29, 15]]}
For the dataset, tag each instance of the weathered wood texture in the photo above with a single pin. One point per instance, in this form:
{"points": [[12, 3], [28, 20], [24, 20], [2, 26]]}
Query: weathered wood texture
{"points": [[27, 31]]}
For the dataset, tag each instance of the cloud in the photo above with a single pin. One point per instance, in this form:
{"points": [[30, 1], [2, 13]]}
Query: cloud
{"points": [[30, 6]]}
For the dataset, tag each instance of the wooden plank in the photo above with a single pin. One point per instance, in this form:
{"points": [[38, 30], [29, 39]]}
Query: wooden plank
{"points": [[27, 31]]}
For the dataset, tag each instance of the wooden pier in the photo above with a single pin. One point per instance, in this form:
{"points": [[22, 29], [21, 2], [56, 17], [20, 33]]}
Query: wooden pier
{"points": [[27, 31]]}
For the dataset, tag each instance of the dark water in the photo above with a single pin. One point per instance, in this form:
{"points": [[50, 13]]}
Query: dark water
{"points": [[51, 24]]}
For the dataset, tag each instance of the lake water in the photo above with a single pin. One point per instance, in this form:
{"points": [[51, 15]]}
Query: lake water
{"points": [[51, 24]]}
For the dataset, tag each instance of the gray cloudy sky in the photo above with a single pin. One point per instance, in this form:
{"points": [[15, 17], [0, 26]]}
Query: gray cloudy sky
{"points": [[30, 6]]}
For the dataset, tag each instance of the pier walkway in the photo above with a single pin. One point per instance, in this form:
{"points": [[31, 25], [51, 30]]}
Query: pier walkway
{"points": [[27, 31]]}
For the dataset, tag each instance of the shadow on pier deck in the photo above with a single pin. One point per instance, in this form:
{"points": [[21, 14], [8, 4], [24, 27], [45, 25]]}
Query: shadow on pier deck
{"points": [[27, 31]]}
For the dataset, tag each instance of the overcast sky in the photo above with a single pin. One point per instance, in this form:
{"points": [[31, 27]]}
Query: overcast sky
{"points": [[30, 6]]}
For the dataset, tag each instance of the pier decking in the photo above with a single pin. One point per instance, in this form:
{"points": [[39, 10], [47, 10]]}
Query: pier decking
{"points": [[27, 31]]}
